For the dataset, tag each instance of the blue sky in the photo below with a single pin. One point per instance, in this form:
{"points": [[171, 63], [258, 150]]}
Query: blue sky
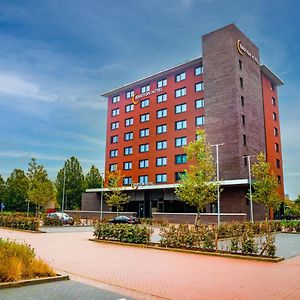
{"points": [[57, 57]]}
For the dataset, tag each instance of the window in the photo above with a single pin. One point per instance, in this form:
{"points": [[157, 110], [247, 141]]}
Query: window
{"points": [[161, 145], [144, 118], [113, 153], [180, 124], [199, 121], [145, 103], [144, 163], [112, 167], [161, 83], [143, 179], [180, 159], [161, 129], [115, 112], [273, 101], [279, 179], [241, 82], [198, 70], [274, 116], [144, 132], [242, 101], [127, 150], [128, 136], [272, 86], [244, 139], [144, 148], [116, 99], [276, 147], [127, 165], [114, 139], [114, 125], [128, 122], [278, 163], [127, 181], [180, 141], [180, 92], [199, 86], [243, 119], [161, 113], [161, 161], [199, 103], [161, 178], [180, 108], [179, 175], [180, 77], [275, 131], [161, 98], [145, 88], [129, 94], [245, 161], [240, 65], [129, 107]]}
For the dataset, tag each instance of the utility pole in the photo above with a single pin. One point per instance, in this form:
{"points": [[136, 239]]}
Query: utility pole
{"points": [[250, 185], [64, 187], [101, 201]]}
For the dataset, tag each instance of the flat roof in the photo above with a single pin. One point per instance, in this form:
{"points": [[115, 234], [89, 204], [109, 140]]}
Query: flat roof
{"points": [[264, 69], [152, 77]]}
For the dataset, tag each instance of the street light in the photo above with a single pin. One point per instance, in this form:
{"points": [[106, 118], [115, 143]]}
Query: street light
{"points": [[101, 200], [218, 178], [64, 187], [250, 185]]}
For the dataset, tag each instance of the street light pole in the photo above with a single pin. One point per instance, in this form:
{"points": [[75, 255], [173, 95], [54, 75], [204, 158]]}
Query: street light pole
{"points": [[250, 186], [63, 198], [218, 179], [101, 201]]}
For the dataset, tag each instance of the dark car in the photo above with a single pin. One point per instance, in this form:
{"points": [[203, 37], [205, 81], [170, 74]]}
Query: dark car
{"points": [[125, 220]]}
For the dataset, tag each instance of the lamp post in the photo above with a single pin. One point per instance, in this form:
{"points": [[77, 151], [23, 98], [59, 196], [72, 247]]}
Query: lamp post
{"points": [[250, 185], [218, 179], [63, 197], [101, 198]]}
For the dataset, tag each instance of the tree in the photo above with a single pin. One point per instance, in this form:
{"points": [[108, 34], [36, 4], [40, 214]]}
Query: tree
{"points": [[74, 184], [115, 197], [2, 189], [16, 190], [297, 201], [197, 185], [93, 178], [265, 185]]}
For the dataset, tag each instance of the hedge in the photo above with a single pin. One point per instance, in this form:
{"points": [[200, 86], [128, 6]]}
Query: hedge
{"points": [[20, 222]]}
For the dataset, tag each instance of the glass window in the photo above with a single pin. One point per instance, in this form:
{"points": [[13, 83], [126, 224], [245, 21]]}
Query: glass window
{"points": [[241, 82], [127, 165], [144, 132], [144, 148], [115, 99], [278, 163], [244, 139], [161, 178], [128, 136], [200, 121], [161, 113], [274, 116], [144, 118], [128, 122], [115, 112], [161, 83], [199, 103], [272, 86], [180, 159], [145, 103], [161, 129], [180, 141], [198, 70], [127, 150], [129, 94], [161, 98], [180, 77], [145, 88], [180, 124], [275, 131], [243, 119], [129, 107], [180, 108], [112, 167], [273, 101], [143, 179], [179, 175], [113, 153], [161, 145], [127, 181], [276, 147], [144, 163], [161, 161], [180, 92], [114, 125], [242, 100], [199, 86], [114, 139]]}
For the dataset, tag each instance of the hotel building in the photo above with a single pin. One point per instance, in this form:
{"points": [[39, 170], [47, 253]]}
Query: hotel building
{"points": [[227, 92]]}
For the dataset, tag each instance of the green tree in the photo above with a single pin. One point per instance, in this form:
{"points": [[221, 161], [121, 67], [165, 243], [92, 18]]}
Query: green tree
{"points": [[297, 201], [2, 189], [41, 189], [16, 190], [74, 184], [115, 197], [197, 185], [93, 178], [265, 185]]}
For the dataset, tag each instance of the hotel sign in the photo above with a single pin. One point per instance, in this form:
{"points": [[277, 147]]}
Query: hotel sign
{"points": [[243, 50], [136, 98]]}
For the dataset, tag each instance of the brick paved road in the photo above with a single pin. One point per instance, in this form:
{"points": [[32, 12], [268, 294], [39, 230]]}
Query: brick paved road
{"points": [[165, 274]]}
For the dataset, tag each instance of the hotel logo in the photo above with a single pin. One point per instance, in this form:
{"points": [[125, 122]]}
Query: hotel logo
{"points": [[243, 50]]}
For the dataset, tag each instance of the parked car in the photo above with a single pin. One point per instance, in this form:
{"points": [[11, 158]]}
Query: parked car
{"points": [[125, 219], [63, 217]]}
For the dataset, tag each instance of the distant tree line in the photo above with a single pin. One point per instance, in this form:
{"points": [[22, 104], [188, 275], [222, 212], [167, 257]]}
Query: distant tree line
{"points": [[31, 190]]}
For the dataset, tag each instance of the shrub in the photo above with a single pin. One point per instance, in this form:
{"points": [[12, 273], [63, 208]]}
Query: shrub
{"points": [[155, 222], [20, 222], [248, 244]]}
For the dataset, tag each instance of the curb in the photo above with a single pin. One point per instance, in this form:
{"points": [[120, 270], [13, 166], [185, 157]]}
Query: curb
{"points": [[5, 285], [23, 230], [218, 254]]}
